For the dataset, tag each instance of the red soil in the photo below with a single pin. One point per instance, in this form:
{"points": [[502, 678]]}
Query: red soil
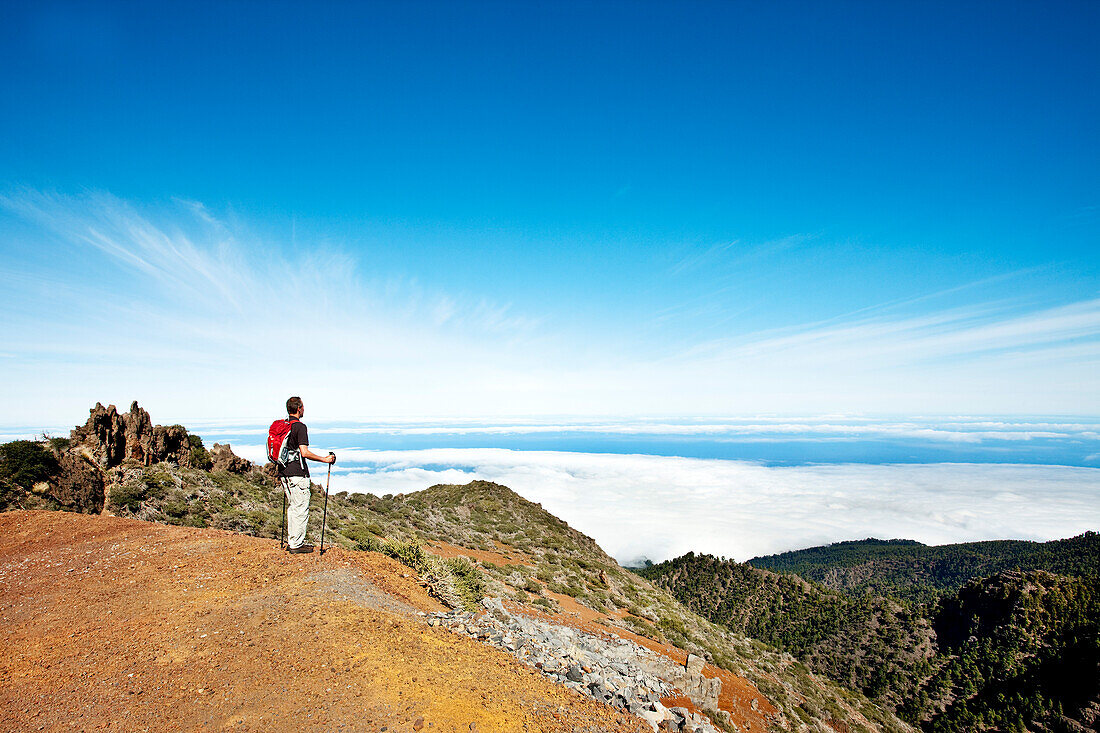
{"points": [[507, 554], [118, 624]]}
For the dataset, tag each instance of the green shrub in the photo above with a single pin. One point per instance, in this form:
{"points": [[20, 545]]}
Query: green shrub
{"points": [[456, 581], [200, 457], [642, 628], [25, 463], [407, 553], [59, 444], [544, 602], [175, 509], [467, 581], [129, 495], [361, 535], [672, 625]]}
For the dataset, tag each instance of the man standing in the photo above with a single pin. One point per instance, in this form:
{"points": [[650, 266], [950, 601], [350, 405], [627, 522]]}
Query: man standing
{"points": [[295, 477]]}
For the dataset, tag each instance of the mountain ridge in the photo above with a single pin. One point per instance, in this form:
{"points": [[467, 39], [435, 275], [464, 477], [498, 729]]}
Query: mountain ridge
{"points": [[463, 542], [917, 572]]}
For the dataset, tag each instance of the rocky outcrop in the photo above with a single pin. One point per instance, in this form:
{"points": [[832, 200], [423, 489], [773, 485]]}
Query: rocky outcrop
{"points": [[703, 691], [224, 459], [613, 670], [111, 437], [170, 443], [103, 436], [80, 484], [139, 436]]}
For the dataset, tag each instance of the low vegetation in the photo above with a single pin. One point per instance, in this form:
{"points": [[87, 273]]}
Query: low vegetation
{"points": [[24, 466]]}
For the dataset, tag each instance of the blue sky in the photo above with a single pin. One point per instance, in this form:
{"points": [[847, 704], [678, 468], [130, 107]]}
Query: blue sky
{"points": [[570, 209]]}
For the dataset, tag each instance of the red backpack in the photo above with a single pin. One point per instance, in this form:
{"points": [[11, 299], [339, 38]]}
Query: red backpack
{"points": [[277, 436]]}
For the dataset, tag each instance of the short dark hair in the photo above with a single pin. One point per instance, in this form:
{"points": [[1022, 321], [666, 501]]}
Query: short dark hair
{"points": [[293, 405]]}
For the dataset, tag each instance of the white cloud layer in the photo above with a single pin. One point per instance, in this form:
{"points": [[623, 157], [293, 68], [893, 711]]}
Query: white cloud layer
{"points": [[661, 507]]}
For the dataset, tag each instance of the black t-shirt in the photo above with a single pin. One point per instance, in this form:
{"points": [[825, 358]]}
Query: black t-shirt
{"points": [[296, 463]]}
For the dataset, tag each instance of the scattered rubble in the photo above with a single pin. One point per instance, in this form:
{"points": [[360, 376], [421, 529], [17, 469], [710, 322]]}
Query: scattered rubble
{"points": [[613, 670]]}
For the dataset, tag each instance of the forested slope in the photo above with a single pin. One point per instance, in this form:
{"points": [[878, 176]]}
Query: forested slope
{"points": [[917, 572], [1015, 650]]}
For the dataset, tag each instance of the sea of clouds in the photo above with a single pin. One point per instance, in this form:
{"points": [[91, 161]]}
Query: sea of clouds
{"points": [[735, 487], [660, 507]]}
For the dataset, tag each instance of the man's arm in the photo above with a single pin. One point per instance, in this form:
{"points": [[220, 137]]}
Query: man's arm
{"points": [[307, 453]]}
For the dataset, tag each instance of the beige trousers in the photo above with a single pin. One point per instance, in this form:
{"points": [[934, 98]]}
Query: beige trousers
{"points": [[297, 509]]}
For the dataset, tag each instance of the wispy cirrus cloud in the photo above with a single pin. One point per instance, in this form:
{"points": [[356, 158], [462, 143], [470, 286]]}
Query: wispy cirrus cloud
{"points": [[121, 294], [958, 332], [150, 291], [987, 357]]}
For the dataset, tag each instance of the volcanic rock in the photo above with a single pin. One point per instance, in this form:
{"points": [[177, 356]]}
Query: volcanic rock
{"points": [[110, 438], [104, 436], [80, 484], [226, 460]]}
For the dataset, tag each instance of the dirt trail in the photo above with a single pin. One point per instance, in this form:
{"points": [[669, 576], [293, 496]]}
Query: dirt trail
{"points": [[118, 624]]}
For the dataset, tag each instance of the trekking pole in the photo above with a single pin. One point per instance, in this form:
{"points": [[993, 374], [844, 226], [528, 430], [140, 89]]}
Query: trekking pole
{"points": [[324, 517], [282, 490]]}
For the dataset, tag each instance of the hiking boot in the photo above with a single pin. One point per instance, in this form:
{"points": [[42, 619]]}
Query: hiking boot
{"points": [[300, 548]]}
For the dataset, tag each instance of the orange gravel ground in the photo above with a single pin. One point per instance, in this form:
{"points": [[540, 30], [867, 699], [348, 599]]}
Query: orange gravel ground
{"points": [[507, 554], [117, 624]]}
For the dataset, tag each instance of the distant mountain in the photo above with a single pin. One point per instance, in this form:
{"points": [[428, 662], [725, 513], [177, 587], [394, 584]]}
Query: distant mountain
{"points": [[1016, 650], [921, 573], [638, 562]]}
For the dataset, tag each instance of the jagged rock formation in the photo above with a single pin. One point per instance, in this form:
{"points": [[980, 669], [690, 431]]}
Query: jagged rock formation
{"points": [[106, 440], [112, 437], [97, 464]]}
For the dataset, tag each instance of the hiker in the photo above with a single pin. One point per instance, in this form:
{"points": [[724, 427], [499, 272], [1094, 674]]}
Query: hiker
{"points": [[294, 474]]}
